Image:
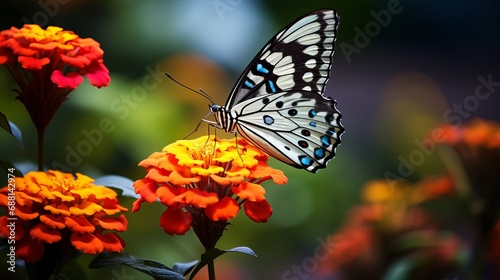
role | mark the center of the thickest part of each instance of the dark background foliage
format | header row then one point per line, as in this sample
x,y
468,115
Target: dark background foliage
x,y
400,69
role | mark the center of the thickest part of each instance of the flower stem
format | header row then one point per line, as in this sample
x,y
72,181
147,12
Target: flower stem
x,y
41,144
211,270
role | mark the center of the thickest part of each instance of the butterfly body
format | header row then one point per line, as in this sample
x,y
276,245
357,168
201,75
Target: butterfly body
x,y
278,104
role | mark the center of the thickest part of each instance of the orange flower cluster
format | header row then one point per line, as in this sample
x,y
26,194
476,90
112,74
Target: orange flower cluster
x,y
478,133
63,55
47,64
477,144
55,207
203,182
376,231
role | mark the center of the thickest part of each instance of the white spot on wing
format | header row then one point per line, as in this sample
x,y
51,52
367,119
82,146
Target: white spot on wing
x,y
311,63
328,40
304,30
285,66
265,54
296,26
274,58
285,82
254,78
308,76
309,39
311,50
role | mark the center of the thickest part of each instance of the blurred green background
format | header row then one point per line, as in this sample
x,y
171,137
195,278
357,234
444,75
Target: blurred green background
x,y
405,74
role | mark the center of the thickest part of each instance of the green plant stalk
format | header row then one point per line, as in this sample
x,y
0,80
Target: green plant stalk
x,y
211,270
41,144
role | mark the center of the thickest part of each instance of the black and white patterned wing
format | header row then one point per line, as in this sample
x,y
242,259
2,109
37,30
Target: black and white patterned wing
x,y
299,58
300,128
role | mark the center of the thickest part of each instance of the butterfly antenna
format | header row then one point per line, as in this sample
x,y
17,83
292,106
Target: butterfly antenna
x,y
201,92
207,96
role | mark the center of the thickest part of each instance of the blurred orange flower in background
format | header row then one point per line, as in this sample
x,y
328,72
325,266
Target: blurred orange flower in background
x,y
56,208
411,231
477,145
392,226
204,182
479,133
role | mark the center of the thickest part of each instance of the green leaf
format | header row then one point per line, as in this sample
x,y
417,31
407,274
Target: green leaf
x,y
11,128
404,267
243,250
4,123
410,241
73,271
123,184
184,268
153,268
400,270
9,168
211,255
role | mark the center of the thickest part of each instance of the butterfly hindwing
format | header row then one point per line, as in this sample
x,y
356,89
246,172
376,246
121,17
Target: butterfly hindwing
x,y
299,57
300,128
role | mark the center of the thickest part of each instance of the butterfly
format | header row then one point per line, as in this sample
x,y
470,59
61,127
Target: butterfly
x,y
278,105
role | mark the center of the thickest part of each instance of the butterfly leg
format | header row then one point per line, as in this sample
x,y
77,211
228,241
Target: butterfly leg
x,y
210,124
237,148
199,123
195,130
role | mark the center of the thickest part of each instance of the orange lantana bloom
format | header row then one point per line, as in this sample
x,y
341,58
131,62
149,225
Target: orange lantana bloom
x,y
55,207
48,64
203,182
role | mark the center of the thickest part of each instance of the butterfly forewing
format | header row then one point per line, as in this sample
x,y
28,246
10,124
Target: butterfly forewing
x,y
299,57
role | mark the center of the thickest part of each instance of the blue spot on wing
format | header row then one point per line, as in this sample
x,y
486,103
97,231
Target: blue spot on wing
x,y
305,161
319,153
261,69
325,140
268,120
249,84
271,85
313,124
